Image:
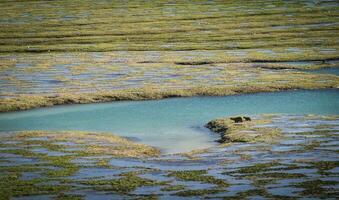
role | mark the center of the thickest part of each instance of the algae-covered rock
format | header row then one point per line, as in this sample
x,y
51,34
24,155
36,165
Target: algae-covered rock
x,y
243,129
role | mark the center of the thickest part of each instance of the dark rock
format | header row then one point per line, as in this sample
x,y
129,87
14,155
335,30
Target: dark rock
x,y
240,119
215,127
220,127
223,138
247,118
236,119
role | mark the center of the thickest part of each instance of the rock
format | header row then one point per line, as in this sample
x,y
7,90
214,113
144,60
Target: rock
x,y
216,126
240,119
247,118
237,119
243,129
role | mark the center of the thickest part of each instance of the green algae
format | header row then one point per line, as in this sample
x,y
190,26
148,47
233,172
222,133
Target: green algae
x,y
125,184
63,163
318,132
66,170
200,192
198,175
262,182
323,166
279,175
260,167
103,163
315,188
58,167
173,188
11,186
253,192
69,197
115,146
324,126
148,197
22,152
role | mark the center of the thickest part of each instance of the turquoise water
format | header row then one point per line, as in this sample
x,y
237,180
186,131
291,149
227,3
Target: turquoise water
x,y
173,125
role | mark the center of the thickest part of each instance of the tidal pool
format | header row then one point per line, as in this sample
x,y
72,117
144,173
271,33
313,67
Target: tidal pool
x,y
172,125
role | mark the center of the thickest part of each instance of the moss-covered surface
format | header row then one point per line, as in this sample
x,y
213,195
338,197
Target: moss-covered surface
x,y
79,165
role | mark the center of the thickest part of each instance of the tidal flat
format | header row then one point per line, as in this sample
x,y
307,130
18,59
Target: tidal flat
x,y
161,80
76,52
302,162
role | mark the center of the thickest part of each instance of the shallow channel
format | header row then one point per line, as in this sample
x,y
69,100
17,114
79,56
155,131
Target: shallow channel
x,y
173,125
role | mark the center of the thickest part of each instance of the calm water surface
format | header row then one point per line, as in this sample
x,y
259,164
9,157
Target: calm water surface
x,y
173,125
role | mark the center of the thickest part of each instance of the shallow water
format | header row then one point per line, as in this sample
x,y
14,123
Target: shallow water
x,y
173,125
330,70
